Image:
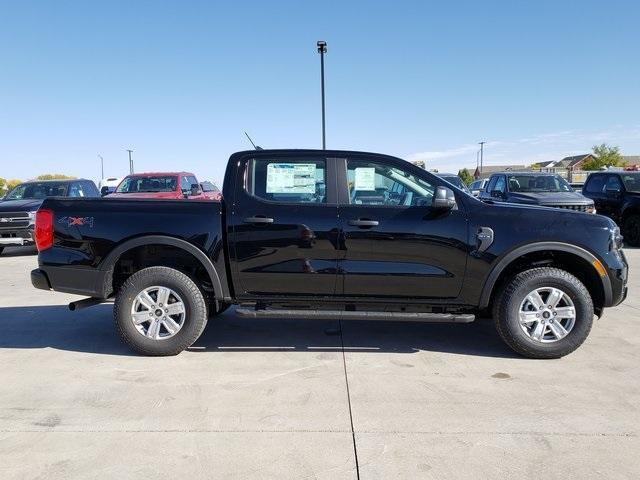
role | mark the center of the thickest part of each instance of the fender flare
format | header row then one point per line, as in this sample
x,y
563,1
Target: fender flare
x,y
536,247
108,263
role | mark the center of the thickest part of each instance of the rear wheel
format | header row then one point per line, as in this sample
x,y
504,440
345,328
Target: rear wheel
x,y
631,230
544,313
160,311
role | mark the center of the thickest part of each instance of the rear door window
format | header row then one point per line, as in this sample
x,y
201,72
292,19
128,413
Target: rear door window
x,y
288,180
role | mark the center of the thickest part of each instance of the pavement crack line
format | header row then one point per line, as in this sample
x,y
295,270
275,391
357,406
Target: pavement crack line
x,y
346,380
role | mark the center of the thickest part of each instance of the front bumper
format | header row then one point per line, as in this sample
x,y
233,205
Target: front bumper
x,y
22,236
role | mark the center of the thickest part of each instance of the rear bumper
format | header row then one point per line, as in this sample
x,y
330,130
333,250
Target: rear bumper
x,y
79,281
40,280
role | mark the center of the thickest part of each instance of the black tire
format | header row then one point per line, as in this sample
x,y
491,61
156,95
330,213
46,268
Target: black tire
x,y
195,317
631,230
506,311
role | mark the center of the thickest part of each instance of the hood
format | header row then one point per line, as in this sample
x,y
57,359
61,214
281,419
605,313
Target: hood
x,y
27,205
551,198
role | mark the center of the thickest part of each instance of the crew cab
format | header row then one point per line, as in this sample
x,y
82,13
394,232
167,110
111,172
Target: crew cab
x,y
341,235
18,207
167,185
617,195
535,188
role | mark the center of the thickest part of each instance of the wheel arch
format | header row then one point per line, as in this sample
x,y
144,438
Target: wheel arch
x,y
598,288
109,262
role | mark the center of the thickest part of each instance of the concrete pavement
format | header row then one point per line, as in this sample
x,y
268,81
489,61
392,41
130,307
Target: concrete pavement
x,y
288,399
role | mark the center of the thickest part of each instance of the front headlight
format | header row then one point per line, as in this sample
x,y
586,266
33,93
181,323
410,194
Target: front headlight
x,y
591,208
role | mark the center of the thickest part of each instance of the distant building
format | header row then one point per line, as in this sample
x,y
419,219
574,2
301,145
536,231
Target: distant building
x,y
574,163
632,162
487,170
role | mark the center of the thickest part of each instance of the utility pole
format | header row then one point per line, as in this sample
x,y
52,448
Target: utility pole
x,y
322,49
130,162
481,154
101,167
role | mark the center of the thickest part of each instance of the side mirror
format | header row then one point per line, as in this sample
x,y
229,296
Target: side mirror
x,y
195,189
104,191
444,199
497,194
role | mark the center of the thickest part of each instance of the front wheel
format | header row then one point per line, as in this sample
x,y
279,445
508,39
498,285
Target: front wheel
x,y
631,230
543,313
159,311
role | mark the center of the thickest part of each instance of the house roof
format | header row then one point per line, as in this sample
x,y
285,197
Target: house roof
x,y
572,161
546,164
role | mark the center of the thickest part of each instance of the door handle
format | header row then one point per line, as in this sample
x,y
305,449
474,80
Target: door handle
x,y
363,223
258,219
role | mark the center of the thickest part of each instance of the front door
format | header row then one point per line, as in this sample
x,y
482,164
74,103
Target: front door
x,y
283,226
395,243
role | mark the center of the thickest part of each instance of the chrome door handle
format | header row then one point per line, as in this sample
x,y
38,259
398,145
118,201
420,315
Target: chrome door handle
x,y
258,220
363,223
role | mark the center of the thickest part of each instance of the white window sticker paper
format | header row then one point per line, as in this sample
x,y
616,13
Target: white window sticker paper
x,y
365,178
291,178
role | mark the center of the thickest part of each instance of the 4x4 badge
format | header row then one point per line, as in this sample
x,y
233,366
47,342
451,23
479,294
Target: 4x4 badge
x,y
77,221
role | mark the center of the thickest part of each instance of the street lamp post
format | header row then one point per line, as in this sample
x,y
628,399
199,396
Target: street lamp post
x,y
130,162
101,167
481,154
322,49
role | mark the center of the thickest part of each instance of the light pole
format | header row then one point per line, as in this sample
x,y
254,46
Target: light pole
x,y
101,167
481,154
130,162
322,49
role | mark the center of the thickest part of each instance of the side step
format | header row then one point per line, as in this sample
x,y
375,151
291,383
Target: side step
x,y
345,315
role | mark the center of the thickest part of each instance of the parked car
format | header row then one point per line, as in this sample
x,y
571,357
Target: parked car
x,y
455,180
108,185
535,188
333,235
167,185
478,186
617,195
18,207
211,191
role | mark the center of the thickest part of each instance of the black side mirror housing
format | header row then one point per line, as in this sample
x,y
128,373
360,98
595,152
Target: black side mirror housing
x,y
444,199
104,191
497,194
195,189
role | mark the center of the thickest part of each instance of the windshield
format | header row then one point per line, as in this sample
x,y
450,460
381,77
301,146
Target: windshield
x,y
538,183
631,182
457,181
160,183
37,191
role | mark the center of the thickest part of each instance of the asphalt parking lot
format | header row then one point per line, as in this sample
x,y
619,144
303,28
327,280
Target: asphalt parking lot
x,y
287,399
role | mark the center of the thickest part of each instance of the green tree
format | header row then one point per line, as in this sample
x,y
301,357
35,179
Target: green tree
x,y
535,167
466,177
13,183
604,156
3,184
54,176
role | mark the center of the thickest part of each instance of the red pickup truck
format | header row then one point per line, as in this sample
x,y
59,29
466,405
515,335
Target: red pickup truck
x,y
170,185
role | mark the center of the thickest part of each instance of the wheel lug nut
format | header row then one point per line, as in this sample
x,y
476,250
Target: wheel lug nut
x,y
537,315
166,310
151,314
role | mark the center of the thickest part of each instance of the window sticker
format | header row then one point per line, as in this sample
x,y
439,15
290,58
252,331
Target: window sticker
x,y
365,178
291,178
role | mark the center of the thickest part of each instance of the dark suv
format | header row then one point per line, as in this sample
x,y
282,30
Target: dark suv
x,y
535,188
617,195
18,207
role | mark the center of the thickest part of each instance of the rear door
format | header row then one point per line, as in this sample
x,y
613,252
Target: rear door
x,y
283,226
395,244
594,189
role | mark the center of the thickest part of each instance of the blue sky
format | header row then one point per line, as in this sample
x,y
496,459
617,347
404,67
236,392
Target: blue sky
x,y
179,82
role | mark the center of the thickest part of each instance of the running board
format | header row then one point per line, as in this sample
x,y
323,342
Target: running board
x,y
349,315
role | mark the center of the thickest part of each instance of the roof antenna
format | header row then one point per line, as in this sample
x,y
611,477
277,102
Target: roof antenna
x,y
255,147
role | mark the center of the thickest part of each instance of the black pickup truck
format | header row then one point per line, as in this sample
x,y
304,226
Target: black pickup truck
x,y
333,235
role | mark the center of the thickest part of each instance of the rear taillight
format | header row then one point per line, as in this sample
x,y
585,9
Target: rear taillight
x,y
44,229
